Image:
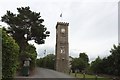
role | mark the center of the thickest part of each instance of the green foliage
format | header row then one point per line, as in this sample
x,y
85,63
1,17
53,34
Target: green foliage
x,y
47,62
40,62
75,63
32,54
24,26
109,65
84,57
80,63
96,65
115,59
10,51
87,76
29,52
28,23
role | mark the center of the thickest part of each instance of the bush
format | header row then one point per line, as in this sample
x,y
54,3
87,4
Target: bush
x,y
10,51
29,52
47,61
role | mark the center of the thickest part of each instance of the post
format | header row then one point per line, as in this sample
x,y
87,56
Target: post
x,y
75,73
96,77
44,59
84,76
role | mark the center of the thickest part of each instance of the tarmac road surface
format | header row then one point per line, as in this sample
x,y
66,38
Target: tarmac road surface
x,y
46,73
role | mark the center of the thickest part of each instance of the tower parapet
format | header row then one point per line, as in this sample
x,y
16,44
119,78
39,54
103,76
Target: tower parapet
x,y
62,24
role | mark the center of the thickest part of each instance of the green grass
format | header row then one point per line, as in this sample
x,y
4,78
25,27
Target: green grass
x,y
89,77
79,75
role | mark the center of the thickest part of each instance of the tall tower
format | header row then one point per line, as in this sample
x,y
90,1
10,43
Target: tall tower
x,y
62,47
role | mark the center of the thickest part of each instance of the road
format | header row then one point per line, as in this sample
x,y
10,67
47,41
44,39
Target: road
x,y
46,73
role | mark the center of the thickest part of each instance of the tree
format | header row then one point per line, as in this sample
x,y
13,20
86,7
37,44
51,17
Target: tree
x,y
108,65
50,61
40,62
47,61
29,52
10,51
26,25
75,63
84,56
78,64
115,59
96,65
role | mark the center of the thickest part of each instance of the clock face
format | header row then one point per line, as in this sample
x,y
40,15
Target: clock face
x,y
63,30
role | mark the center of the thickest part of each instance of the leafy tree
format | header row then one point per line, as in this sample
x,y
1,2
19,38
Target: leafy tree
x,y
29,52
26,25
47,61
109,65
84,56
10,51
96,65
75,63
79,64
50,61
40,62
104,65
115,59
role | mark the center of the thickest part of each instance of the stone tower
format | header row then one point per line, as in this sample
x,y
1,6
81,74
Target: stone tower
x,y
62,47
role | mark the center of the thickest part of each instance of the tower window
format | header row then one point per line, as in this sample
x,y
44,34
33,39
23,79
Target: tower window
x,y
62,50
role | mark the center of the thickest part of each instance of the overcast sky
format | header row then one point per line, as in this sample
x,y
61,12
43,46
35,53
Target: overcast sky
x,y
93,24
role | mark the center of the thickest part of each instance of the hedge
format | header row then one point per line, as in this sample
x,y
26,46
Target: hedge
x,y
10,51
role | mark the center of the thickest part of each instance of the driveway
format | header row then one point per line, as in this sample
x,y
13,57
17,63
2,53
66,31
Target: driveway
x,y
46,73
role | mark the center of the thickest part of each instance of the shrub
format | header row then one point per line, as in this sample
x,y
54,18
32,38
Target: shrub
x,y
10,51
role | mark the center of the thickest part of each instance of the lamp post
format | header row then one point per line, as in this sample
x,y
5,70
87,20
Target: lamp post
x,y
44,52
44,57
